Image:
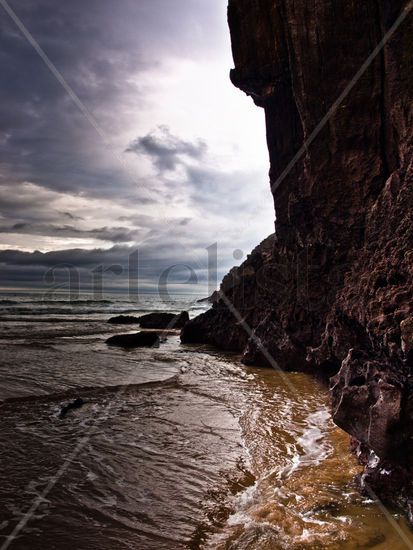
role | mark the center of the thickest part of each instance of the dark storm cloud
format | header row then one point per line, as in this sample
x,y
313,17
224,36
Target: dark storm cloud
x,y
96,45
71,216
113,234
34,211
77,257
166,150
43,133
113,55
120,266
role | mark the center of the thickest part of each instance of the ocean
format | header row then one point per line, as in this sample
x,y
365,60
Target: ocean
x,y
178,446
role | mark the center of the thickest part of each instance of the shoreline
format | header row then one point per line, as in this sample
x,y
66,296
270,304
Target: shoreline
x,y
277,465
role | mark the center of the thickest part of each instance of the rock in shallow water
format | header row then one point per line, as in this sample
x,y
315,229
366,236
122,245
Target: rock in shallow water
x,y
123,320
163,320
76,404
138,340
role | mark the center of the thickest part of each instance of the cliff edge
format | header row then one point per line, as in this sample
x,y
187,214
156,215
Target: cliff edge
x,y
331,290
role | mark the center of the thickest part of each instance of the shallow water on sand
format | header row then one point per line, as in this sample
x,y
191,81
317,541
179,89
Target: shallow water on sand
x,y
176,447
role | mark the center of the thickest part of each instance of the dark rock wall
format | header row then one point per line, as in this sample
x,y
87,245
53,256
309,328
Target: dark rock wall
x,y
332,289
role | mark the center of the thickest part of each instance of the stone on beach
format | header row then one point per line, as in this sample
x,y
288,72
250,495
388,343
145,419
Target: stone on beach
x,y
123,320
162,320
137,340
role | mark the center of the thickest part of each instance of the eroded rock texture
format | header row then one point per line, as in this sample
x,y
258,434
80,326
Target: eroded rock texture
x,y
332,290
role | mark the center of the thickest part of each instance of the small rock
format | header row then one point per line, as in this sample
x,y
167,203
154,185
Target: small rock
x,y
161,320
124,320
76,404
137,340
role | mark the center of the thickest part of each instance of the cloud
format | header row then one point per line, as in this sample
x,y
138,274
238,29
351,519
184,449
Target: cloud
x,y
29,209
174,170
71,216
123,268
111,234
104,51
206,185
167,151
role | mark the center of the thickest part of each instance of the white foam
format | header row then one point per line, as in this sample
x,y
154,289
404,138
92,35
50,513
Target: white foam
x,y
312,446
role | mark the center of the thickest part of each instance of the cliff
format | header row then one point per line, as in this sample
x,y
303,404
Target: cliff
x,y
331,290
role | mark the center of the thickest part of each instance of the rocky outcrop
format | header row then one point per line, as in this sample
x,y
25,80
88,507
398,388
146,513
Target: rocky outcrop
x,y
332,290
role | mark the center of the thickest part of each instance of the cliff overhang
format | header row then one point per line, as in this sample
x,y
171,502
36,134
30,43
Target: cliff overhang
x,y
331,290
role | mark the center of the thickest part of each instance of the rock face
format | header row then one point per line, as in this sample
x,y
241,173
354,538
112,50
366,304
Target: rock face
x,y
332,290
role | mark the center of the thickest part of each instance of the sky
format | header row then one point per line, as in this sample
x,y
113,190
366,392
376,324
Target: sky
x,y
129,142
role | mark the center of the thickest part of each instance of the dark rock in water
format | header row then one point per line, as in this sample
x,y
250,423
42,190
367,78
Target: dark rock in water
x,y
76,404
332,290
124,320
137,340
163,320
